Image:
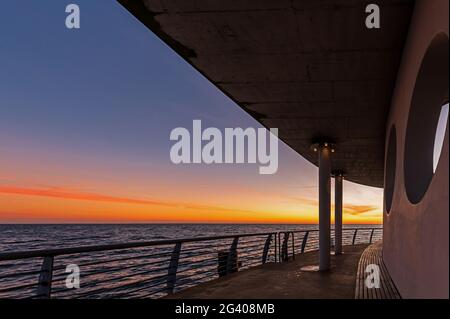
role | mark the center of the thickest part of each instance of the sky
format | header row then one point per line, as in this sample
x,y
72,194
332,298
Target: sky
x,y
85,119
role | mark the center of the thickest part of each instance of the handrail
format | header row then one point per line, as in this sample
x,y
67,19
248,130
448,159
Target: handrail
x,y
162,265
300,239
94,248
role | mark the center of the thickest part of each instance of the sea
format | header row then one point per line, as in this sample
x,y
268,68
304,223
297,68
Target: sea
x,y
24,237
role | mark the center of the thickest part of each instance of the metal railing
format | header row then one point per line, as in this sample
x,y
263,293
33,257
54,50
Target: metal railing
x,y
155,268
300,241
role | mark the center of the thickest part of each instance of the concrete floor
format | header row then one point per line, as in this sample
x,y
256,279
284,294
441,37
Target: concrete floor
x,y
286,280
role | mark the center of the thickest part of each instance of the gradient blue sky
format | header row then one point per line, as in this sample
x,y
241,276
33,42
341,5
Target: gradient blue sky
x,y
90,111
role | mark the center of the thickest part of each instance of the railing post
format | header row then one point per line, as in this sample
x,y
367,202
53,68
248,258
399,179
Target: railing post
x,y
284,248
280,259
266,248
338,183
371,235
45,278
304,241
354,236
232,257
173,268
276,247
293,245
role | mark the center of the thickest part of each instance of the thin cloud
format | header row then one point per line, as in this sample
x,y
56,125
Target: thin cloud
x,y
304,200
66,194
61,193
349,208
359,209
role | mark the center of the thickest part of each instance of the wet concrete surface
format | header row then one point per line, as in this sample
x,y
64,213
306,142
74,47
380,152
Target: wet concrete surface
x,y
297,279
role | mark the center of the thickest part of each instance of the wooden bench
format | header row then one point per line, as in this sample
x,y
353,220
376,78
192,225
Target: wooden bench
x,y
387,289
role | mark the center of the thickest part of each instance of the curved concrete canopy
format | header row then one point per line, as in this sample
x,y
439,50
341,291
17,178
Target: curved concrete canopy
x,y
309,67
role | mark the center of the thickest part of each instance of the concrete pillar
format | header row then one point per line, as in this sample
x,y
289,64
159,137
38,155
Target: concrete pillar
x,y
324,206
338,179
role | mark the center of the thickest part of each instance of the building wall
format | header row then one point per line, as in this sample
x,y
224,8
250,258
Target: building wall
x,y
416,237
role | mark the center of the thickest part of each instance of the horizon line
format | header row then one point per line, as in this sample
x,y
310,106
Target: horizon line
x,y
174,223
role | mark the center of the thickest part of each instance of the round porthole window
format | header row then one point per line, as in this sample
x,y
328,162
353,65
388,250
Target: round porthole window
x,y
391,162
430,94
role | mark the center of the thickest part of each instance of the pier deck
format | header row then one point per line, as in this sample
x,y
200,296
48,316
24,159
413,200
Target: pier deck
x,y
286,280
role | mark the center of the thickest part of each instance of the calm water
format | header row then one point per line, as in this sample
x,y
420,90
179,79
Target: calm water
x,y
30,237
132,273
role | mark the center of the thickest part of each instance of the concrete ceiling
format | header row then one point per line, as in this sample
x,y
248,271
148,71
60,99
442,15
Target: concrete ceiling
x,y
308,67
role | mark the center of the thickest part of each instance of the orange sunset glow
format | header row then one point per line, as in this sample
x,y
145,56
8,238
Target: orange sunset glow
x,y
66,206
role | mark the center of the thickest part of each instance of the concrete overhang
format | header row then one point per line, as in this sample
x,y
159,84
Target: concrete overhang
x,y
311,68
